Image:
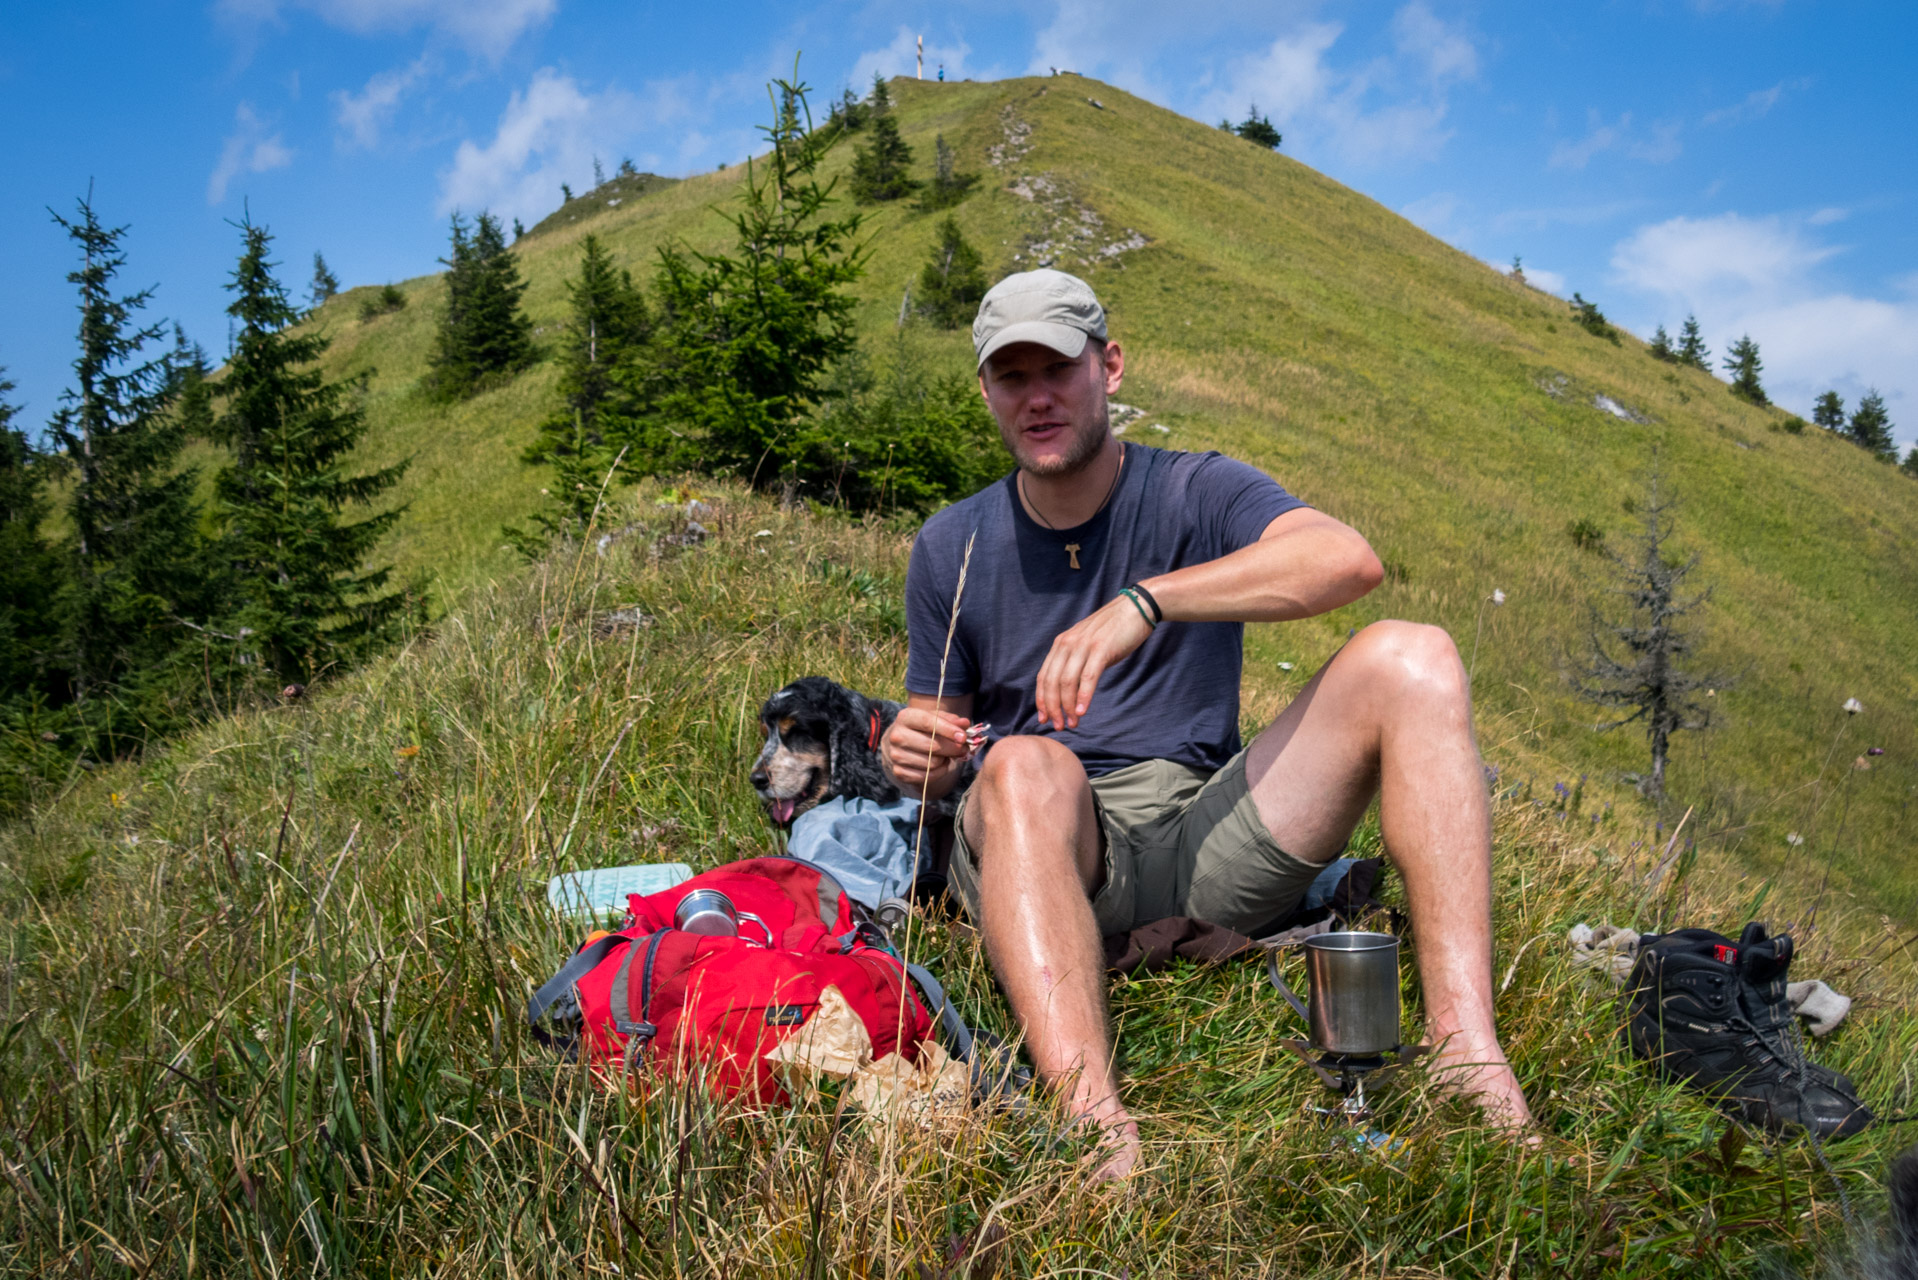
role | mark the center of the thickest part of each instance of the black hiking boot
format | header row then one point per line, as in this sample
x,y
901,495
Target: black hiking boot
x,y
1712,1013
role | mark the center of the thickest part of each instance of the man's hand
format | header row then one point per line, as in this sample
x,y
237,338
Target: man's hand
x,y
915,732
1080,656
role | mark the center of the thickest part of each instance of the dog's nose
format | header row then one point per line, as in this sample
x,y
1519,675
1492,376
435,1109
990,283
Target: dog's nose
x,y
759,779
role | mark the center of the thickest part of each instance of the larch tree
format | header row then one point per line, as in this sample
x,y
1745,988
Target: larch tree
x,y
304,600
1638,663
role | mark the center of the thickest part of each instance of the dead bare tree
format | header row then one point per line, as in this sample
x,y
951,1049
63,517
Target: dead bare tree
x,y
1638,662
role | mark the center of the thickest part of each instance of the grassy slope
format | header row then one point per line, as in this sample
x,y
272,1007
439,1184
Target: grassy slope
x,y
1391,380
262,1006
261,1001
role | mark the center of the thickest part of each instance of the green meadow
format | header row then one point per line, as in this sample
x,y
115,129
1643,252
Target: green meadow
x,y
263,989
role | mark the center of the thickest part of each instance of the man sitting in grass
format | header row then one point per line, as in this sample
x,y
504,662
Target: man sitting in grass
x,y
1101,637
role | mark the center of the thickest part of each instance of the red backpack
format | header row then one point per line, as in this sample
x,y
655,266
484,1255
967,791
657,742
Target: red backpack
x,y
651,995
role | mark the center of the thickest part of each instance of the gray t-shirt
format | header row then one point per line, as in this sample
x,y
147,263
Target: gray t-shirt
x,y
1174,698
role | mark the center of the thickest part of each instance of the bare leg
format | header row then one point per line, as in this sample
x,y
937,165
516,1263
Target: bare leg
x,y
1392,713
1035,835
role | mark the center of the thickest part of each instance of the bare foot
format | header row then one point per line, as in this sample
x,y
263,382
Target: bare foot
x,y
1478,1070
1118,1151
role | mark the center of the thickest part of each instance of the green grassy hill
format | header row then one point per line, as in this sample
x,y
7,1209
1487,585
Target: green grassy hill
x,y
1442,408
261,1007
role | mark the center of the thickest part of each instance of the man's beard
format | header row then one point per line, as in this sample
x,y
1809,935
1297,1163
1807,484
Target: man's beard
x,y
1083,447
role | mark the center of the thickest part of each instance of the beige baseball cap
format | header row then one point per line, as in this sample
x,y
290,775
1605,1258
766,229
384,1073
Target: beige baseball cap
x,y
1045,306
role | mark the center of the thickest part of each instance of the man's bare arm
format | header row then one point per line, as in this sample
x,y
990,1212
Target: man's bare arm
x,y
927,725
1305,563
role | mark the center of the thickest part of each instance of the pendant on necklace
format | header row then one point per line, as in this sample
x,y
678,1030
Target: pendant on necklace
x,y
1072,549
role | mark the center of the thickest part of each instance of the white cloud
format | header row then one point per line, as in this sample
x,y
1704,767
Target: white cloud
x,y
1550,281
1825,217
1436,213
1763,276
900,57
249,149
1390,108
363,115
1756,105
1660,147
551,131
487,27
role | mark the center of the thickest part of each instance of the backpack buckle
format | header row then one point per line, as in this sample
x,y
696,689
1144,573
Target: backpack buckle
x,y
643,1030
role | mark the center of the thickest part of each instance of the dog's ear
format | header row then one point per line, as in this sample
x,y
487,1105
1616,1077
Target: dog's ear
x,y
856,770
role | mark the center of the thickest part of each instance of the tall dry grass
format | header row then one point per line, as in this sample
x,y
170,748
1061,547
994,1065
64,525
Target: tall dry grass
x,y
262,1001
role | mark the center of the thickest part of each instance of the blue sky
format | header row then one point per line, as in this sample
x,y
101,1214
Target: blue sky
x,y
1749,161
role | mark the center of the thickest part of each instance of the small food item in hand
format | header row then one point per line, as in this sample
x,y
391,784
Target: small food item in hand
x,y
976,738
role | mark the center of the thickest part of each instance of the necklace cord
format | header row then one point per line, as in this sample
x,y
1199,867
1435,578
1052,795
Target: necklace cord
x,y
1110,490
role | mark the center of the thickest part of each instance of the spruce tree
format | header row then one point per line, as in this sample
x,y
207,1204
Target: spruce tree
x,y
880,98
325,283
1910,465
1744,366
303,599
953,280
1661,346
608,327
948,186
1591,319
1828,411
746,337
880,167
134,573
1691,346
483,332
29,570
1870,427
1258,128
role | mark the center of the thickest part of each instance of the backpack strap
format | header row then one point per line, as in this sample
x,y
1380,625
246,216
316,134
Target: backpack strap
x,y
621,999
958,1034
584,961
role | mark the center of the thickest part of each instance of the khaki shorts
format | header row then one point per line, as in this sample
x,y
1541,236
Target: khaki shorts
x,y
1177,843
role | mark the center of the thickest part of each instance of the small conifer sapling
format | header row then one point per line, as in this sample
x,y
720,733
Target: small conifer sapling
x,y
953,280
1661,346
1637,662
1744,366
1691,346
1870,427
325,283
1828,411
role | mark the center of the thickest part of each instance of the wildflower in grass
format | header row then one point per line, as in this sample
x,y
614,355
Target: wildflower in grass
x,y
1876,751
1861,764
1853,706
1498,596
1285,666
1793,839
406,753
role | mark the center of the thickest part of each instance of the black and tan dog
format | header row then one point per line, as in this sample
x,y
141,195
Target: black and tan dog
x,y
822,741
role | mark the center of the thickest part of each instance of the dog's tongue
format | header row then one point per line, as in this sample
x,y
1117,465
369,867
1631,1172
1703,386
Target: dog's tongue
x,y
783,811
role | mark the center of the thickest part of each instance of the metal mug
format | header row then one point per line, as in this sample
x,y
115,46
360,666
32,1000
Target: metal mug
x,y
710,913
1352,992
